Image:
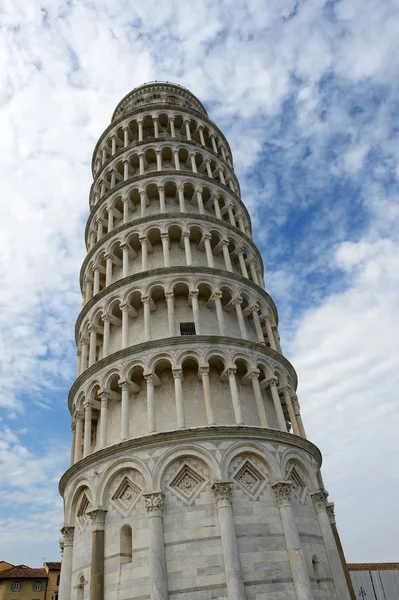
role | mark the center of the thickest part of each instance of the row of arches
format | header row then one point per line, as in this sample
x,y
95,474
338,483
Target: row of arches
x,y
179,307
165,197
155,159
192,390
159,125
169,245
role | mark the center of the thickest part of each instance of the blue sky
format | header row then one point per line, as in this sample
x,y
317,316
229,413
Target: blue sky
x,y
307,94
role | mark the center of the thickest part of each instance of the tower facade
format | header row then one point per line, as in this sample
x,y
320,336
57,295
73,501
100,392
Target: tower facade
x,y
191,475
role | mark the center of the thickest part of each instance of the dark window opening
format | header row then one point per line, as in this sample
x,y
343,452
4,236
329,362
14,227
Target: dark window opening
x,y
187,329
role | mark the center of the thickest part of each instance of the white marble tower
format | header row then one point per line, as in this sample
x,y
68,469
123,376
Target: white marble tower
x,y
191,476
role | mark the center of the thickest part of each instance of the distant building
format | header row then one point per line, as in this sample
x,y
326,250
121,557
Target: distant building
x,y
375,581
25,583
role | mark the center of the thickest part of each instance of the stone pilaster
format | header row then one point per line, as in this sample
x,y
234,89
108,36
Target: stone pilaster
x,y
153,502
97,516
66,566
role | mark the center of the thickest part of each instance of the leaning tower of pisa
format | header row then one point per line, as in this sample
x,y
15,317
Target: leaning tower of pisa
x,y
191,476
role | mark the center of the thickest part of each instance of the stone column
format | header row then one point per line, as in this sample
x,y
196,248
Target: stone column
x,y
217,208
79,361
234,580
295,405
126,166
150,402
125,260
240,317
104,396
125,136
78,435
241,223
143,205
88,406
253,272
212,136
107,327
85,351
187,248
147,327
73,445
208,169
235,397
178,375
171,313
176,158
182,203
258,327
221,177
125,209
162,205
156,128
201,134
269,332
287,397
159,160
141,164
172,126
254,377
193,163
108,269
125,387
165,249
96,280
125,324
319,501
226,255
208,250
243,266
217,298
66,565
144,254
188,132
93,344
154,504
200,201
196,311
204,373
331,516
97,517
300,576
277,403
88,289
140,128
110,212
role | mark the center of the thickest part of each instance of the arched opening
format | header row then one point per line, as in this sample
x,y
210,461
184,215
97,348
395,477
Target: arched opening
x,y
316,571
126,545
81,588
193,393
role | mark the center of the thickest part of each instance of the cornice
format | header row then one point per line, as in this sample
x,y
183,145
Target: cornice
x,y
165,108
167,217
226,275
167,173
195,434
178,342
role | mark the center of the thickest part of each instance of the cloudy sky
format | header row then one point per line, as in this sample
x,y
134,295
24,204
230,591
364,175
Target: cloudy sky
x,y
307,94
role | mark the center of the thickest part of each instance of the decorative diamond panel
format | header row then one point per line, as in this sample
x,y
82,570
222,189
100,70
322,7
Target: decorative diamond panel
x,y
250,479
126,495
188,483
299,485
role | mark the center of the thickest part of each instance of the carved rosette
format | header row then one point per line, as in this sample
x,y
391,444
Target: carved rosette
x,y
222,491
153,503
319,500
67,533
282,490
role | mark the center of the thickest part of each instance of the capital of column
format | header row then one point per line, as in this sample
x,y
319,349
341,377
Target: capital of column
x,y
203,370
177,373
254,308
207,236
319,499
254,374
194,294
295,404
142,240
225,242
95,268
84,341
222,491
186,234
97,517
104,395
169,295
331,512
237,300
282,490
92,327
231,371
88,403
125,307
153,502
149,377
61,544
216,296
78,416
285,390
145,299
106,317
161,188
67,532
273,381
125,384
165,236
